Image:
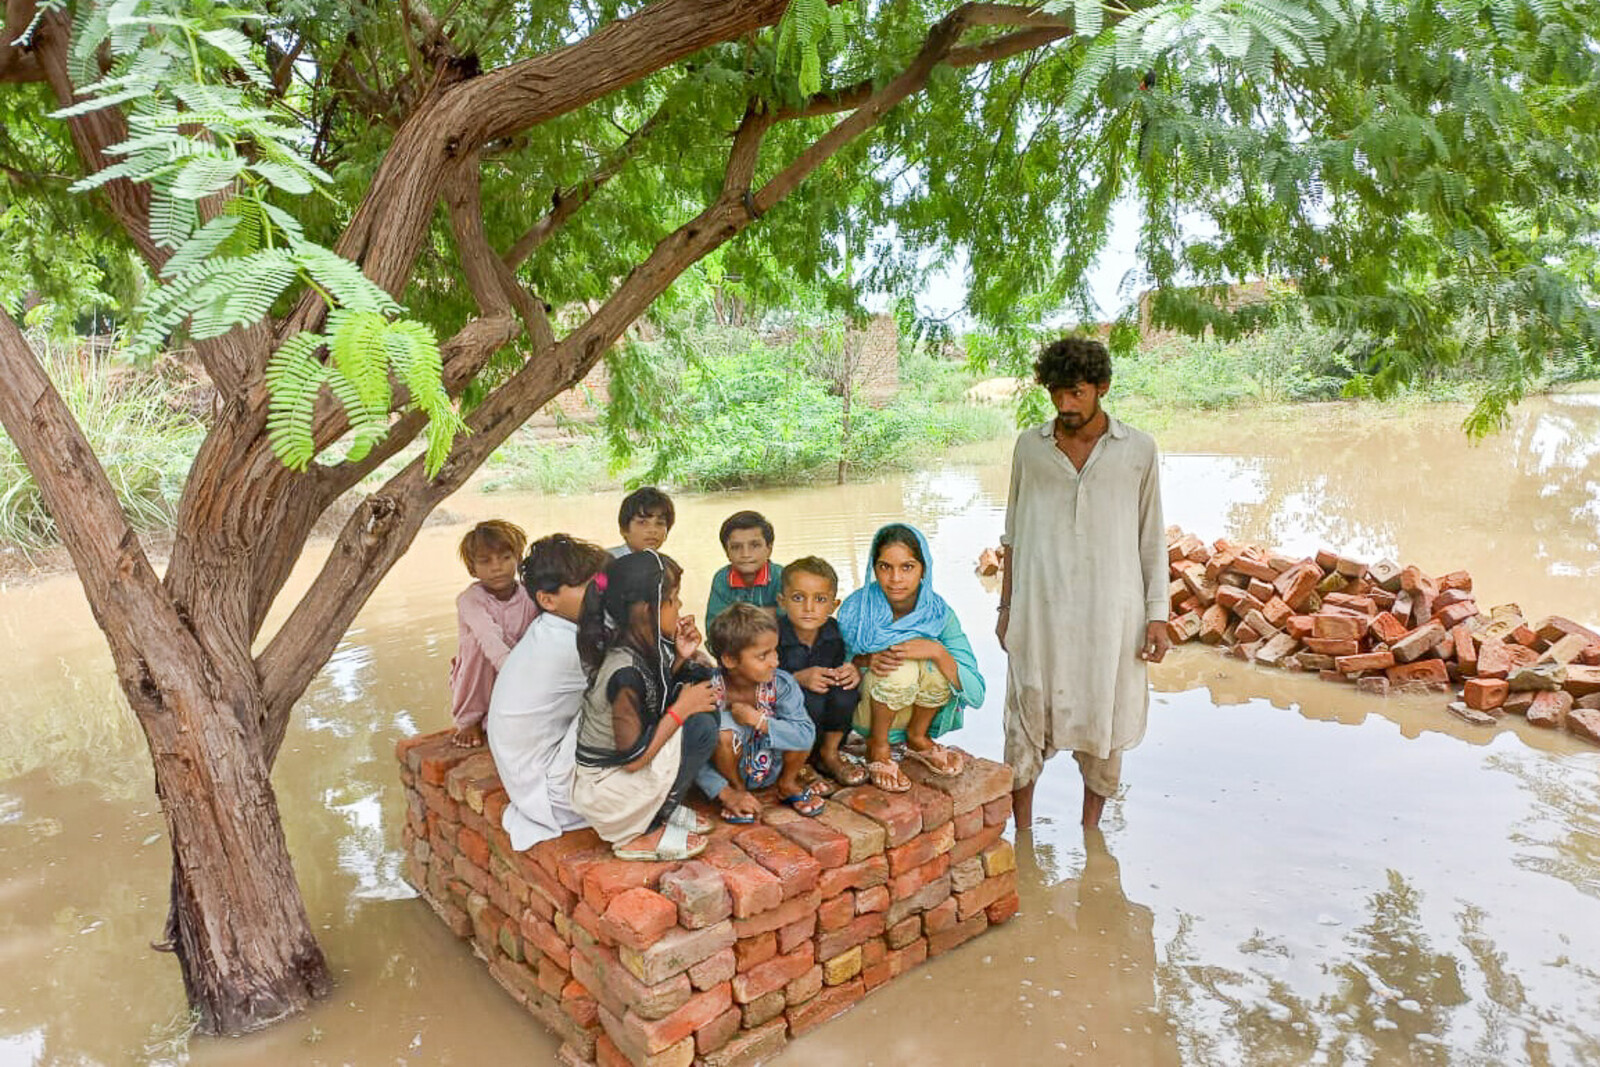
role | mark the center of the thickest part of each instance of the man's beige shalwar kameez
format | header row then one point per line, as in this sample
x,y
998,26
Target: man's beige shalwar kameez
x,y
1088,560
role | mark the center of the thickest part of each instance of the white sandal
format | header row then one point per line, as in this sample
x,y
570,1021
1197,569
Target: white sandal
x,y
690,820
673,846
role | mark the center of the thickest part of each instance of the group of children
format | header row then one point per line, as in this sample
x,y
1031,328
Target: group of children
x,y
602,707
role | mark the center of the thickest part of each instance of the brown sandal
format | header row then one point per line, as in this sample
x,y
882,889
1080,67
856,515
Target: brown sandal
x,y
945,762
887,776
846,772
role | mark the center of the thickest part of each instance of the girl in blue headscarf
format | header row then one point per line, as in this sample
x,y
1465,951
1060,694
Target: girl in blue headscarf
x,y
918,670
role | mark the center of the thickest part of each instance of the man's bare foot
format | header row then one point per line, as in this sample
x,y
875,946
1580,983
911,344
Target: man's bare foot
x,y
469,736
1022,806
1094,805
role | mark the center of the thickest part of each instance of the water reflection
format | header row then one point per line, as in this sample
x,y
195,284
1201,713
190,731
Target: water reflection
x,y
1295,874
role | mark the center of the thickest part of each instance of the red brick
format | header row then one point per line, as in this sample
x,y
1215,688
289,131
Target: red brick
x,y
638,917
824,1006
826,845
1276,612
1003,909
873,951
1494,660
1330,647
604,881
866,837
1485,694
473,848
717,1033
698,891
1524,636
599,971
1582,680
1364,661
874,899
860,929
554,854
1298,584
965,850
874,870
791,910
751,1047
979,782
1585,723
751,951
752,888
1213,623
1453,615
1338,627
960,933
508,938
654,1036
996,812
763,1008
941,918
904,932
793,865
1550,709
718,967
837,911
553,977
579,1005
906,885
1466,649
971,821
1418,642
608,1055
802,929
1184,626
803,988
937,807
433,759
897,813
584,918
921,849
773,974
676,951
1431,673
977,900
1385,628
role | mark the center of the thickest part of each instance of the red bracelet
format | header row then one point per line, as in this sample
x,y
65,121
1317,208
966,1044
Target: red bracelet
x,y
674,715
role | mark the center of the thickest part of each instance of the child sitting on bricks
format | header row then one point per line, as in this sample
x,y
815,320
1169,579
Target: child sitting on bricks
x,y
750,576
766,735
644,520
811,648
491,616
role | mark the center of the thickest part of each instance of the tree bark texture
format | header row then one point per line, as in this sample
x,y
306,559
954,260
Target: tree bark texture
x,y
215,713
240,930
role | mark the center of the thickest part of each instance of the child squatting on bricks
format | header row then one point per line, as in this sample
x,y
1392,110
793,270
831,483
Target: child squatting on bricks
x,y
765,733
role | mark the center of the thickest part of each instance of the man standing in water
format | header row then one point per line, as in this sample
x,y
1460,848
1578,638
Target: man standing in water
x,y
1083,605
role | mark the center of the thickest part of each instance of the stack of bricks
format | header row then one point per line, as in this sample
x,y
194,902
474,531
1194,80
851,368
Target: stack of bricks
x,y
720,960
1384,627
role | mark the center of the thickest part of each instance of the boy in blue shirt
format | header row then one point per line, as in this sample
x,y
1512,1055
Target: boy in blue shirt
x,y
750,576
811,648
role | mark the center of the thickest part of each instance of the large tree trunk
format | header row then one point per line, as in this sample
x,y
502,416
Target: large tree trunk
x,y
239,926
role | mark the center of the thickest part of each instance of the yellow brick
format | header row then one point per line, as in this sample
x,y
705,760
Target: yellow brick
x,y
999,859
842,968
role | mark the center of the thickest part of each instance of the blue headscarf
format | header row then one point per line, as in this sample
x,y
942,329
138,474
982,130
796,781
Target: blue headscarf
x,y
867,621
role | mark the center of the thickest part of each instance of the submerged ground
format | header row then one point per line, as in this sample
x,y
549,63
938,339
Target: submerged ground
x,y
1295,874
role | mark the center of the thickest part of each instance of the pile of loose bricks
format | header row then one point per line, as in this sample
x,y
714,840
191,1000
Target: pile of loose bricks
x,y
1384,628
720,960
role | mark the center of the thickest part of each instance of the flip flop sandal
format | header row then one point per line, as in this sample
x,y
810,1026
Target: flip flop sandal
x,y
850,772
690,820
945,757
805,802
673,845
736,818
887,776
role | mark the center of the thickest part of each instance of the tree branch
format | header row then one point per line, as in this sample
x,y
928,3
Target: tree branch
x,y
380,530
493,283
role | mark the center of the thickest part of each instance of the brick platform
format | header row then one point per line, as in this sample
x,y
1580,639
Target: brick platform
x,y
776,928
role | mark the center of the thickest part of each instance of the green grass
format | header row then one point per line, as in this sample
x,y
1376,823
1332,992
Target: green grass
x,y
145,444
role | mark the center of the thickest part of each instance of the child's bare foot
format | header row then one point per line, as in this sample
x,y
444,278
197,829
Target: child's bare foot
x,y
655,846
469,736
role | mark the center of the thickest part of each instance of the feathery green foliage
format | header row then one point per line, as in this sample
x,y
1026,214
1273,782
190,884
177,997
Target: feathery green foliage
x,y
248,255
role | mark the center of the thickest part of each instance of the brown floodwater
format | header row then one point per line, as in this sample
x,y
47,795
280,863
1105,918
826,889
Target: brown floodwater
x,y
1294,873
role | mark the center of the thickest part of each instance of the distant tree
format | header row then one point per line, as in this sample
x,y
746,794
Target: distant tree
x,y
1403,162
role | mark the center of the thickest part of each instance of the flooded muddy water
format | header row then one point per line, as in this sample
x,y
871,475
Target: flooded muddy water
x,y
1294,873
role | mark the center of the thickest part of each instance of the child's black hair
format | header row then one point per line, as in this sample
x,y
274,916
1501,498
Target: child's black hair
x,y
745,520
815,566
561,559
646,500
737,628
607,617
897,533
1068,361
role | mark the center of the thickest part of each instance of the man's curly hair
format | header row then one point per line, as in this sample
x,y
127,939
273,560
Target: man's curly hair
x,y
1066,362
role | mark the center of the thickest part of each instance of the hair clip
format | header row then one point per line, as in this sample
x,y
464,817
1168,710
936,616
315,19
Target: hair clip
x,y
600,581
